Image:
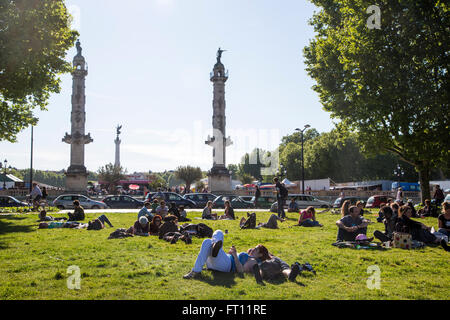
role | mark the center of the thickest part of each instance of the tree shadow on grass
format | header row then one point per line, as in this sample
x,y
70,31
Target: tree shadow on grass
x,y
217,278
7,227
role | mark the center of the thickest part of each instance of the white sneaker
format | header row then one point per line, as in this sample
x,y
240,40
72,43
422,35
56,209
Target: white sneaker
x,y
190,275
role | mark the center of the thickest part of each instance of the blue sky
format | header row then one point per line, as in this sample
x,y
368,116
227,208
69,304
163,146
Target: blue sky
x,y
149,64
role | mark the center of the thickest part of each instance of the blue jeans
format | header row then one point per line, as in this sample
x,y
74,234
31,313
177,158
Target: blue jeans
x,y
310,223
104,219
444,231
220,263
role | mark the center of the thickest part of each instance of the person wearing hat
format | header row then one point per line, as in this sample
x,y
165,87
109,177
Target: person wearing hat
x,y
351,225
140,227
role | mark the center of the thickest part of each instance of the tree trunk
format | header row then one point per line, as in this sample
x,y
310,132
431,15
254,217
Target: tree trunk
x,y
424,178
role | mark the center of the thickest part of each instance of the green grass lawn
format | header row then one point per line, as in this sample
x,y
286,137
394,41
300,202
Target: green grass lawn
x,y
33,264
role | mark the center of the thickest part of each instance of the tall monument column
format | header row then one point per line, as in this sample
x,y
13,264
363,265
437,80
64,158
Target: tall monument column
x,y
76,175
117,142
219,178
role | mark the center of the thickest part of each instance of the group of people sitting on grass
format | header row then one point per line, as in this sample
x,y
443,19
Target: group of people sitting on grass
x,y
396,218
208,214
158,207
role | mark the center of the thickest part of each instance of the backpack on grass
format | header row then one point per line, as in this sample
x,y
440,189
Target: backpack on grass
x,y
283,192
167,227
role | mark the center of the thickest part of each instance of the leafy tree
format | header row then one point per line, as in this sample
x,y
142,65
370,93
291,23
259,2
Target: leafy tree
x,y
340,158
233,168
34,38
388,85
296,138
245,178
252,164
156,181
92,176
199,186
52,178
111,175
290,159
188,174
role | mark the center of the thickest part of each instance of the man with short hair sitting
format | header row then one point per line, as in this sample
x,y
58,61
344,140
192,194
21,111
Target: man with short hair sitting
x,y
293,206
144,212
351,225
78,212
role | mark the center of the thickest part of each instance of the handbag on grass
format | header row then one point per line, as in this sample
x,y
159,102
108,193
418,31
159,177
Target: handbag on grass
x,y
402,240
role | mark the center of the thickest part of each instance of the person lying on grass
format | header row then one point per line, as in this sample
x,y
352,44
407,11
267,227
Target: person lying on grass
x,y
212,254
351,225
78,212
207,212
96,224
270,224
229,212
308,218
44,217
140,227
155,225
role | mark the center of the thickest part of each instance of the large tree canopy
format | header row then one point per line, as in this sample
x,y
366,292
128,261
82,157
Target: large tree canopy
x,y
390,85
111,175
34,38
189,175
339,157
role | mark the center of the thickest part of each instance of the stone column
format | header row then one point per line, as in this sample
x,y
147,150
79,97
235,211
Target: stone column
x,y
76,175
219,177
117,161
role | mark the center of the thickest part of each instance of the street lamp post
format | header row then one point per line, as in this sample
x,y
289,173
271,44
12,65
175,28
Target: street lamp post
x,y
31,160
4,173
303,160
398,172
